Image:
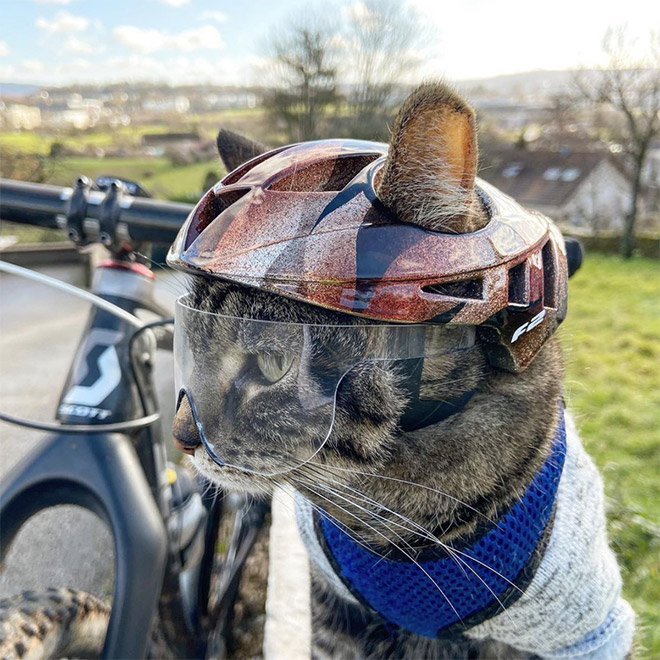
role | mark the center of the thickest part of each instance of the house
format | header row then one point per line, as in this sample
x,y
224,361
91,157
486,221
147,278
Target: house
x,y
23,117
181,148
157,144
584,191
651,186
73,110
177,104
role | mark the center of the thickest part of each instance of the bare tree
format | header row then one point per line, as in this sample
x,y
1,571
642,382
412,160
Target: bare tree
x,y
630,84
381,39
303,77
375,50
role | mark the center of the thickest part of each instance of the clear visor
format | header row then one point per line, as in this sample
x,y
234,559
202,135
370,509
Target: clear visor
x,y
264,393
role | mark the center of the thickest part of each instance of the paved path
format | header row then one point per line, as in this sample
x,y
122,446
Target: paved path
x,y
39,330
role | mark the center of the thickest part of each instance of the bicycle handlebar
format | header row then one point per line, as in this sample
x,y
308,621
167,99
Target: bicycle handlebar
x,y
149,220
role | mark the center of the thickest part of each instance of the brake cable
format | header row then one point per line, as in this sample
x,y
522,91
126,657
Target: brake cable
x,y
130,425
74,290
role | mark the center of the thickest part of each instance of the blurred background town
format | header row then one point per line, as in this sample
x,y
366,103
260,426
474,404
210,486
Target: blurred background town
x,y
568,103
581,145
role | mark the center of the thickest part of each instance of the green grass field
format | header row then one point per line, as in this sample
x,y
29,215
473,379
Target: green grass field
x,y
612,350
34,142
157,175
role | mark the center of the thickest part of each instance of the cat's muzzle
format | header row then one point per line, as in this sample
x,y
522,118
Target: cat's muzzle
x,y
184,428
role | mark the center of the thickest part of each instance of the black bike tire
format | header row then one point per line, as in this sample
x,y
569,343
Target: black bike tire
x,y
60,623
52,624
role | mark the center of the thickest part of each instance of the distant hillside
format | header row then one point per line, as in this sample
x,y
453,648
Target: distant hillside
x,y
16,89
517,84
511,86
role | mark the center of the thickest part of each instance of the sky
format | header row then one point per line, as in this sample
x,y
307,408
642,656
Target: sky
x,y
224,42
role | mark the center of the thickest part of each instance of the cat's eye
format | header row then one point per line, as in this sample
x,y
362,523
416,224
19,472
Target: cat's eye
x,y
274,366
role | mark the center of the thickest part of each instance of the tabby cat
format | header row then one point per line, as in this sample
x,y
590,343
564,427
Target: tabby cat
x,y
401,493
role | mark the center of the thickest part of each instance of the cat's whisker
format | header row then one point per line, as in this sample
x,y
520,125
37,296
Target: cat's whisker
x,y
177,275
409,483
418,530
360,540
423,532
429,535
461,563
216,491
211,486
406,554
377,518
313,485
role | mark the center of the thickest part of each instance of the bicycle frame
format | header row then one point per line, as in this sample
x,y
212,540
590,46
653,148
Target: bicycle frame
x,y
120,477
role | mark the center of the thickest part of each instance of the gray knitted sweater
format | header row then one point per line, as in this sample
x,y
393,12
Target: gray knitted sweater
x,y
573,606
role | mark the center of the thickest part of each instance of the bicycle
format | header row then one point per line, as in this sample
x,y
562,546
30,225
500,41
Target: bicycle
x,y
172,595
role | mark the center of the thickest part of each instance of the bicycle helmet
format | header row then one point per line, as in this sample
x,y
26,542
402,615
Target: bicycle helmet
x,y
304,221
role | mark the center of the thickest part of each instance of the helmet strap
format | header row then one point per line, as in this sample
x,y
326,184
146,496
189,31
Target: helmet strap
x,y
426,412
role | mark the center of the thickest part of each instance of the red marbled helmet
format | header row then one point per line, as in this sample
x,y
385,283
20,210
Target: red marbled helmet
x,y
304,221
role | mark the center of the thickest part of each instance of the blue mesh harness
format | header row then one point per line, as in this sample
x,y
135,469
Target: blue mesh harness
x,y
446,594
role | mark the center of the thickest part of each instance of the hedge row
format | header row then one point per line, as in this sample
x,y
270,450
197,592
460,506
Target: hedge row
x,y
645,246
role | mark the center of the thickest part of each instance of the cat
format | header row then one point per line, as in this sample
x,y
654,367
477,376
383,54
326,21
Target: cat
x,y
400,492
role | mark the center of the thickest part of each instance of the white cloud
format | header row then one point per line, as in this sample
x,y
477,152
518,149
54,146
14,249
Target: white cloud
x,y
76,45
140,39
53,2
150,40
178,70
358,12
63,22
33,66
4,48
7,71
204,37
78,64
174,3
479,39
213,15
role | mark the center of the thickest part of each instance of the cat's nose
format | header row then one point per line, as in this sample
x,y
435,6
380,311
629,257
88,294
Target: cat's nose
x,y
184,429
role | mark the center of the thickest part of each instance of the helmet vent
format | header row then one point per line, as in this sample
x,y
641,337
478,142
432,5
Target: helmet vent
x,y
518,287
324,176
236,175
211,206
549,272
225,198
472,289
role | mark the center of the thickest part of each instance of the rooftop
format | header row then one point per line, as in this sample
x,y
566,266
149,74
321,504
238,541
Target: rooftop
x,y
540,178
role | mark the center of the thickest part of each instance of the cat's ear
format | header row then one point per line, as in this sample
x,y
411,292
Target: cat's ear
x,y
234,149
429,175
